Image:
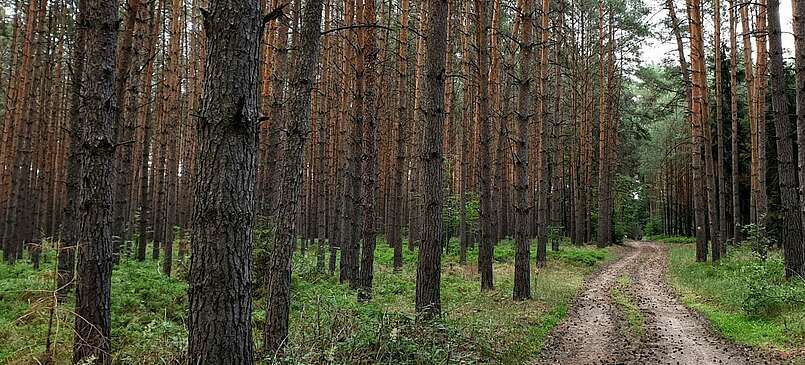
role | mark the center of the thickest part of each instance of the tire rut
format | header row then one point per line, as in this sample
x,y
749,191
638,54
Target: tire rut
x,y
588,335
593,332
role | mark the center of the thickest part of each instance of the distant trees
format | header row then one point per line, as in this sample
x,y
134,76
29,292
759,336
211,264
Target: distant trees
x,y
720,187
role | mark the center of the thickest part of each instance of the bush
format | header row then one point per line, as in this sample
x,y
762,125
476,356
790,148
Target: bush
x,y
759,240
671,239
579,256
765,297
654,227
451,213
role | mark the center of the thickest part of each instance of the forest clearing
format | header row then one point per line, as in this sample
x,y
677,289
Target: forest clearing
x,y
402,182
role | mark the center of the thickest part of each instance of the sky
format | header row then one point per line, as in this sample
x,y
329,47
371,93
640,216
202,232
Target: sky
x,y
656,49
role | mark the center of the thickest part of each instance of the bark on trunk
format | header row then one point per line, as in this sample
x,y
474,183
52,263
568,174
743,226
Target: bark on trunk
x,y
697,96
486,245
93,289
219,327
791,234
428,277
522,267
734,161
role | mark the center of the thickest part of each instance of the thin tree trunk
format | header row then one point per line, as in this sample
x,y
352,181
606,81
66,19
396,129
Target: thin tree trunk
x,y
750,91
486,246
760,111
522,267
604,130
301,82
395,236
799,52
428,277
719,164
70,218
736,191
697,120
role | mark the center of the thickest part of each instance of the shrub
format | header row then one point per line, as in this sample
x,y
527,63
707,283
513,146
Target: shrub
x,y
654,227
759,239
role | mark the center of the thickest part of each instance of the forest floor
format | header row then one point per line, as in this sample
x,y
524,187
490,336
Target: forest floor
x,y
640,303
629,314
328,324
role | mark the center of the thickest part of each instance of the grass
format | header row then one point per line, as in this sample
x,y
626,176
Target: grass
x,y
671,239
148,312
328,324
747,300
635,319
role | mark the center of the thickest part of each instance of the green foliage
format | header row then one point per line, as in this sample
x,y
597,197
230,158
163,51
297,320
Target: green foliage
x,y
670,239
654,227
631,207
580,256
328,323
452,212
759,240
747,299
148,314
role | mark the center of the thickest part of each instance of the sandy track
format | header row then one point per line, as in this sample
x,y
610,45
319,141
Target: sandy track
x,y
592,333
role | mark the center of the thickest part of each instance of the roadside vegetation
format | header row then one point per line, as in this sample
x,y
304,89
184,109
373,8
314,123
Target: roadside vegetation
x,y
745,297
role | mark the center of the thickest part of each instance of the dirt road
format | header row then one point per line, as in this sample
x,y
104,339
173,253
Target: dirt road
x,y
595,331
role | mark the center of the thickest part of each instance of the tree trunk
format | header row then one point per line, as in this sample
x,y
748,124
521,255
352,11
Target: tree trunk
x,y
350,247
791,233
301,82
465,131
173,115
799,53
93,289
736,196
604,130
486,244
70,218
428,276
124,125
721,185
697,96
760,112
145,118
274,148
522,267
219,327
370,111
395,236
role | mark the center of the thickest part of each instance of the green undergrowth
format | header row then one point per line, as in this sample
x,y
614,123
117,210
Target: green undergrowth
x,y
635,320
328,324
748,300
148,313
671,239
